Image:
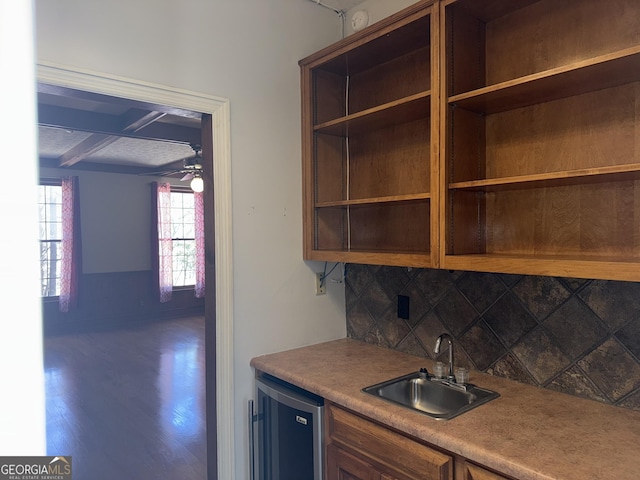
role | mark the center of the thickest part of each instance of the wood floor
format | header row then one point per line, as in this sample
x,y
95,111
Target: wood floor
x,y
129,404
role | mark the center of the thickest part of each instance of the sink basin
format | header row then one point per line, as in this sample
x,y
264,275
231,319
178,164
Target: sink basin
x,y
438,399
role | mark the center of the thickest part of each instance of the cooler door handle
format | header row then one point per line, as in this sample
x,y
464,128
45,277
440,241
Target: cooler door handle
x,y
252,419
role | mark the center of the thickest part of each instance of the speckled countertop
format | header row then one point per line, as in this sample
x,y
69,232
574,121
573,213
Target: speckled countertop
x,y
529,433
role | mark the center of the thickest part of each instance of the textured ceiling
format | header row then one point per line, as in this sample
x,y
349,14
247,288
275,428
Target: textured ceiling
x,y
83,129
63,132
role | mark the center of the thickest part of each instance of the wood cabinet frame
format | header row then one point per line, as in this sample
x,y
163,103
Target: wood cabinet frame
x,y
539,164
374,211
533,148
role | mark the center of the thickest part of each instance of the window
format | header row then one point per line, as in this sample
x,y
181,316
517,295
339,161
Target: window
x,y
50,232
183,241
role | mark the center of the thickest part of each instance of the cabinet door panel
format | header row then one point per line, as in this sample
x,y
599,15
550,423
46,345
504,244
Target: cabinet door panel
x,y
343,466
473,472
388,451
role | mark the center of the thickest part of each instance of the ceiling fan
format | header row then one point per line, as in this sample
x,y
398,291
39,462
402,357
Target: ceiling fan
x,y
191,170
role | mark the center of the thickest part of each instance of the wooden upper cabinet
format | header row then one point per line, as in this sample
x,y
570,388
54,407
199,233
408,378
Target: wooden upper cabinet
x,y
540,158
370,144
488,135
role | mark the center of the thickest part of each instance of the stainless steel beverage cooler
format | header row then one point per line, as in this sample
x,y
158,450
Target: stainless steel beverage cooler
x,y
286,432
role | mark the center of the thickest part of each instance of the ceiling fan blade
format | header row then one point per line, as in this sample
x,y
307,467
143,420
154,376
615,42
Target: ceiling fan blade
x,y
188,176
161,173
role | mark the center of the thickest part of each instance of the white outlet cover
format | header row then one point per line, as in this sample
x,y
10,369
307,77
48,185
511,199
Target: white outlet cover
x,y
359,20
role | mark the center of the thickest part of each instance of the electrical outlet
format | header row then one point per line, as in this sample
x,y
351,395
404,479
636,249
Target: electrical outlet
x,y
321,284
403,307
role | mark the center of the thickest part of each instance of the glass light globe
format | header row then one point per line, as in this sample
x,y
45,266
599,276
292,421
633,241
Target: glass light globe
x,y
197,184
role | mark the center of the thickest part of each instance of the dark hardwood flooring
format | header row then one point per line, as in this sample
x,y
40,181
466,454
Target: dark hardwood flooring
x,y
129,404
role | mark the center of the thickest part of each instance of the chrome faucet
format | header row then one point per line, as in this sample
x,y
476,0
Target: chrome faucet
x,y
436,350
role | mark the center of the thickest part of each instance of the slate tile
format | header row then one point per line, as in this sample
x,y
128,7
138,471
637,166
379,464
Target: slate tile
x,y
376,300
392,279
509,367
540,295
573,284
632,401
509,319
575,327
411,345
481,289
350,298
456,312
482,345
418,304
393,328
629,336
509,279
358,277
434,283
612,369
375,337
616,303
427,332
573,381
359,321
540,356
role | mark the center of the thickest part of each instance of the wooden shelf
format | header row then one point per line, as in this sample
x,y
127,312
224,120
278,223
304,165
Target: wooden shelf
x,y
398,35
374,201
592,267
598,73
400,111
554,179
398,259
369,141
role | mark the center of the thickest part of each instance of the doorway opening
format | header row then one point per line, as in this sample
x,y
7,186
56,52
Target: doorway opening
x,y
156,106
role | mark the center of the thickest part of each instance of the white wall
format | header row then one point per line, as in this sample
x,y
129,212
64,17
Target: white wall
x,y
377,10
255,46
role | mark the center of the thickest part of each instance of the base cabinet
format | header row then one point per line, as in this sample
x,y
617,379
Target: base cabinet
x,y
360,449
466,470
344,466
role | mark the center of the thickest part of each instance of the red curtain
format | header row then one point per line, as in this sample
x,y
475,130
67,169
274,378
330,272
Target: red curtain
x,y
199,237
71,244
161,244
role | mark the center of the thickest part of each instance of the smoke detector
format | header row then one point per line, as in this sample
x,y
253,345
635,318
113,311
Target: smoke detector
x,y
359,20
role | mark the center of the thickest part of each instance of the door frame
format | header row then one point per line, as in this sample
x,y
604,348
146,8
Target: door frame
x,y
219,347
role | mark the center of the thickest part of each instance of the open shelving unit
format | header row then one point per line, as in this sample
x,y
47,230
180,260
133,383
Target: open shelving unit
x,y
540,157
487,135
369,137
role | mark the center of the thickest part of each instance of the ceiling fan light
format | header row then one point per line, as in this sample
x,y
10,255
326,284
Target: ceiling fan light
x,y
197,184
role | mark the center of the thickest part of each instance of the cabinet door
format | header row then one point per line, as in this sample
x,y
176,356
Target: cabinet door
x,y
390,453
344,466
469,471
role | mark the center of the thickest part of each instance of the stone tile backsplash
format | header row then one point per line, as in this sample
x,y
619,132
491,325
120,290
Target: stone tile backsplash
x,y
580,337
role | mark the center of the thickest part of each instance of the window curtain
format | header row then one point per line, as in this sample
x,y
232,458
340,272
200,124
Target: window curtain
x,y
162,260
198,198
71,244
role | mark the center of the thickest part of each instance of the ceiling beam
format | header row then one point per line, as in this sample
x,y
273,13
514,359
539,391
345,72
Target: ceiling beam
x,y
132,121
86,121
107,99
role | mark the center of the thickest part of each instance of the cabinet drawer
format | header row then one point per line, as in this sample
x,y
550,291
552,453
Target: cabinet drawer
x,y
385,448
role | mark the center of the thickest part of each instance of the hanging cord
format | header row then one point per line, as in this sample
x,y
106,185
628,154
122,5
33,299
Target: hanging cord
x,y
341,13
325,274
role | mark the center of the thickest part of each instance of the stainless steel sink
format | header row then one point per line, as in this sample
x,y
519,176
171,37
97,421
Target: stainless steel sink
x,y
439,399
